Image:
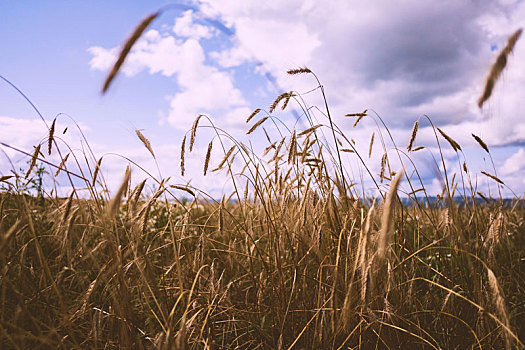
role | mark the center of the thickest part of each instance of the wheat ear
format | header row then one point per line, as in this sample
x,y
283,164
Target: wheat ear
x,y
127,48
497,67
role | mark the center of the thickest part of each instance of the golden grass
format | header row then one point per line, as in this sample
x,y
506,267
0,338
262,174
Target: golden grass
x,y
450,140
254,113
303,70
493,177
95,172
182,154
145,141
36,152
498,67
51,136
481,143
413,136
256,125
194,131
298,255
385,234
207,159
500,305
114,205
284,96
126,48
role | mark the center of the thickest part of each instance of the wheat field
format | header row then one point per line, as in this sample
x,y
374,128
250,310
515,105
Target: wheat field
x,y
295,257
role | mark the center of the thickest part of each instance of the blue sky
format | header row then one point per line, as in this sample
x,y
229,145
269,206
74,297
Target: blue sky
x,y
402,61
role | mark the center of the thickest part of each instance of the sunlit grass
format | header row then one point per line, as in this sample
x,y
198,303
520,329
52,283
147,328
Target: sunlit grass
x,y
296,256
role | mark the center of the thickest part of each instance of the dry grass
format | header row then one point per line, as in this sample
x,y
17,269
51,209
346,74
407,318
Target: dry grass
x,y
450,140
413,136
145,142
297,256
126,48
51,136
498,67
298,261
481,143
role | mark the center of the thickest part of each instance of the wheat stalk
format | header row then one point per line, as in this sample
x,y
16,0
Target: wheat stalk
x,y
145,217
497,67
269,148
452,143
292,147
61,164
362,114
256,125
383,166
138,190
5,178
287,100
127,48
495,230
387,219
114,205
145,141
278,149
67,206
483,197
226,156
95,173
309,130
492,177
182,152
51,135
302,70
500,305
284,95
254,113
371,145
184,188
221,215
481,143
208,156
194,131
33,160
413,136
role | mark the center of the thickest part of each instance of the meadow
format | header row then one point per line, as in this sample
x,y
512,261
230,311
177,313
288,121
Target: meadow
x,y
295,257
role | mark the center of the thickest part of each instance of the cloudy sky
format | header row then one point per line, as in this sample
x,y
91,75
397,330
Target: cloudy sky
x,y
222,58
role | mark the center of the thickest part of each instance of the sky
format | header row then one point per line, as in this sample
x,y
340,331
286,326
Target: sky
x,y
401,61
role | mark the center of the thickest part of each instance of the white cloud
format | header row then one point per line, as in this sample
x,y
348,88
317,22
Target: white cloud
x,y
102,58
34,130
204,89
514,163
185,26
401,59
233,57
25,134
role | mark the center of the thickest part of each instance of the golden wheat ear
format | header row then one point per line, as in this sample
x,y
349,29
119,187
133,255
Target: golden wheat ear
x,y
498,66
387,220
139,30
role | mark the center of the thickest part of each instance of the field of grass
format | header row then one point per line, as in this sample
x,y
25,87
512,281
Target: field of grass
x,y
295,257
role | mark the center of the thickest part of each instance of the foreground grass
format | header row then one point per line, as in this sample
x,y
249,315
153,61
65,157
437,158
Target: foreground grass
x,y
294,257
251,275
292,267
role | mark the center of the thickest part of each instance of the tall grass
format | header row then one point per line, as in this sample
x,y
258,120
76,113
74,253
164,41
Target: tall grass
x,y
295,257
